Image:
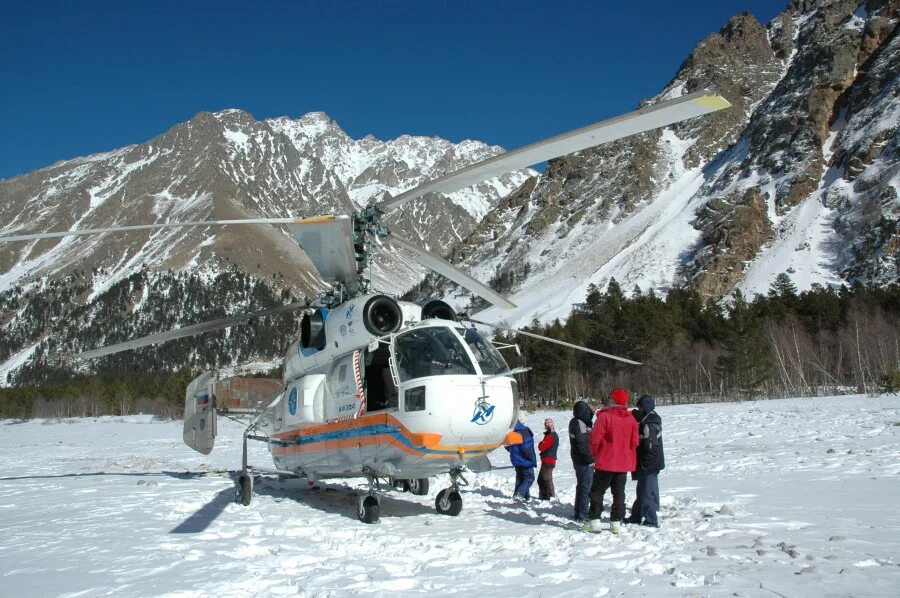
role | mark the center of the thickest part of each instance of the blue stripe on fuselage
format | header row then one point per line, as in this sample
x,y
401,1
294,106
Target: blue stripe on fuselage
x,y
373,430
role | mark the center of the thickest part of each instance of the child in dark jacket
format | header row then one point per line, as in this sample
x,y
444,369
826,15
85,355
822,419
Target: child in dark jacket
x,y
548,447
650,461
523,459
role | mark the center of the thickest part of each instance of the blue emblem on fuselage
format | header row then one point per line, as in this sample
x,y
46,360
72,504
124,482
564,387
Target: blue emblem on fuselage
x,y
484,412
292,402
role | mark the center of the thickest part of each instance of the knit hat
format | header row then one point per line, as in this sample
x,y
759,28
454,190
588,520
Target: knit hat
x,y
548,423
619,396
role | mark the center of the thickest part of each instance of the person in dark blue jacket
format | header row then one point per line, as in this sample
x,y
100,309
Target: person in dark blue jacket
x,y
523,459
650,461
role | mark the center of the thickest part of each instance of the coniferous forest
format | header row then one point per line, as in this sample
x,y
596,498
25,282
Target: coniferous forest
x,y
787,343
819,342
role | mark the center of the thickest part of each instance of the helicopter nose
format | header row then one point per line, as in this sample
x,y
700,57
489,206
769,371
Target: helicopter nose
x,y
482,419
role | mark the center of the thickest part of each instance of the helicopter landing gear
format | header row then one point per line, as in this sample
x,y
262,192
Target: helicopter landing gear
x,y
244,488
369,507
417,486
449,501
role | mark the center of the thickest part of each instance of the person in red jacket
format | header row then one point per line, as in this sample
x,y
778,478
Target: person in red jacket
x,y
548,447
614,441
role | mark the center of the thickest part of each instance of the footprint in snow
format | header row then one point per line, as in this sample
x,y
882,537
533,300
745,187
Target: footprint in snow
x,y
513,572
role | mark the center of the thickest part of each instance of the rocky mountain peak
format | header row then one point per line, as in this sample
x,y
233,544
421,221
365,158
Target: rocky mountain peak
x,y
801,176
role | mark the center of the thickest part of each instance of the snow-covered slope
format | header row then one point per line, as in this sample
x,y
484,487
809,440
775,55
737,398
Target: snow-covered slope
x,y
792,497
229,165
216,166
801,176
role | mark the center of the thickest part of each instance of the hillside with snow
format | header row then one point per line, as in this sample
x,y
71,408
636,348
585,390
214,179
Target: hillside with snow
x,y
228,165
801,176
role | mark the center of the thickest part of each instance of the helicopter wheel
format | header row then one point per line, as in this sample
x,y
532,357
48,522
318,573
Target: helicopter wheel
x,y
400,485
418,486
244,489
448,502
369,509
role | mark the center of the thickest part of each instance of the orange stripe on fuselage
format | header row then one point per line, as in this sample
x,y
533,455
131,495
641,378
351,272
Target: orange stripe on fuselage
x,y
375,419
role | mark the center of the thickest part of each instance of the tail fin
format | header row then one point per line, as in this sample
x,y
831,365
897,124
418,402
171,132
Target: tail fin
x,y
200,414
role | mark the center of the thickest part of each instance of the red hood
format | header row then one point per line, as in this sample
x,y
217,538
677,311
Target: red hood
x,y
620,411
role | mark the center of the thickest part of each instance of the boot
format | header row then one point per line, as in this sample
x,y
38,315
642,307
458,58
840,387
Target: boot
x,y
615,526
593,526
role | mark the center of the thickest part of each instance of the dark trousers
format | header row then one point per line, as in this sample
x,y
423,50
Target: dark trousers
x,y
647,502
583,475
524,480
546,491
604,480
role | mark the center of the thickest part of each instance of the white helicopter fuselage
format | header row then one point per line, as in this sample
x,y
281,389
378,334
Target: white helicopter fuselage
x,y
429,397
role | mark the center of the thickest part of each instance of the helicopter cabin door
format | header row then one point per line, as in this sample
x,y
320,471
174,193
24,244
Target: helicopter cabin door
x,y
345,402
381,392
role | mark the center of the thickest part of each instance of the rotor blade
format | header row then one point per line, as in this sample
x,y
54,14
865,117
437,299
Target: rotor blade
x,y
445,268
553,340
134,227
162,337
644,119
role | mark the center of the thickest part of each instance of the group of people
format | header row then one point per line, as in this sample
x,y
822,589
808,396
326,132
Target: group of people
x,y
605,449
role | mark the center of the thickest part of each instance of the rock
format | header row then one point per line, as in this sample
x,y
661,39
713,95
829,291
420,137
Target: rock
x,y
141,482
761,552
793,554
726,511
837,538
711,551
152,484
829,451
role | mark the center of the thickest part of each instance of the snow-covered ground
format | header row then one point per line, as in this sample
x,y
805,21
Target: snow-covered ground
x,y
793,498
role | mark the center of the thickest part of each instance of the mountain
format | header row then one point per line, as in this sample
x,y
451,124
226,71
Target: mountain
x,y
229,165
800,176
219,165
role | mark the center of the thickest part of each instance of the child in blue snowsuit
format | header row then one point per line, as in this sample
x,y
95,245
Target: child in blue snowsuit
x,y
650,461
523,459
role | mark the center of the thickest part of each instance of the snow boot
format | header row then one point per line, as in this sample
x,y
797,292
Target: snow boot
x,y
615,526
593,526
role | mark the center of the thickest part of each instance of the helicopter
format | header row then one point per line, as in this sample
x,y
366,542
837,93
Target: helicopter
x,y
376,387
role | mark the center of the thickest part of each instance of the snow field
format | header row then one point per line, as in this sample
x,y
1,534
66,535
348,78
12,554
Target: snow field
x,y
796,497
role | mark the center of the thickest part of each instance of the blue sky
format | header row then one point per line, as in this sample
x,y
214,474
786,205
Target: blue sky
x,y
84,77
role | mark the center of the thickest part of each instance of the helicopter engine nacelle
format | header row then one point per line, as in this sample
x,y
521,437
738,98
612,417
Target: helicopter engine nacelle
x,y
438,309
357,322
352,325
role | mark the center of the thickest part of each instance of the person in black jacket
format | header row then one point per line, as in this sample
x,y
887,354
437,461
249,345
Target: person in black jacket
x,y
582,459
650,461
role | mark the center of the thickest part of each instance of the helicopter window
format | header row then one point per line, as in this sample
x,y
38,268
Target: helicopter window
x,y
414,399
342,374
489,359
430,352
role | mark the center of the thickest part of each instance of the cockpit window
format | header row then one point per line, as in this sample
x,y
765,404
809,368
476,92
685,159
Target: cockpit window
x,y
489,359
433,351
